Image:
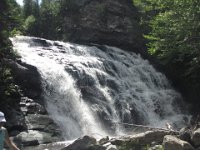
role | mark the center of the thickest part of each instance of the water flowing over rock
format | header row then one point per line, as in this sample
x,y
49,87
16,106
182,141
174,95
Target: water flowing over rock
x,y
93,90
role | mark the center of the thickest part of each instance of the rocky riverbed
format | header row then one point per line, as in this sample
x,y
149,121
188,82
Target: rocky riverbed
x,y
186,139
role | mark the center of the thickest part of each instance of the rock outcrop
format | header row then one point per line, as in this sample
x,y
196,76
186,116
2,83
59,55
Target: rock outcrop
x,y
196,137
141,139
173,143
82,143
109,22
27,77
27,119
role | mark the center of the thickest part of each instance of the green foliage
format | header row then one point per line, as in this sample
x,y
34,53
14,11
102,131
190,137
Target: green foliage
x,y
14,17
7,87
31,7
148,10
27,9
31,14
173,31
9,20
10,24
7,79
175,34
11,90
29,25
174,28
52,17
15,32
36,9
49,20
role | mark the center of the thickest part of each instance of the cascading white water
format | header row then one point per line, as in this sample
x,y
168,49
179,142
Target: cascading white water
x,y
89,89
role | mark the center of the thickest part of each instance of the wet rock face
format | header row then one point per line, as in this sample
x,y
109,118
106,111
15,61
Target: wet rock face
x,y
27,77
27,119
196,137
38,127
110,22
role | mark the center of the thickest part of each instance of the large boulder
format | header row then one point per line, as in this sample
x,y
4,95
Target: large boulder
x,y
42,123
35,137
15,120
196,137
49,146
173,143
185,134
109,22
141,140
82,144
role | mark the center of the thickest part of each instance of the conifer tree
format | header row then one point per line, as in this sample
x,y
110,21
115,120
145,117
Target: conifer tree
x,y
27,9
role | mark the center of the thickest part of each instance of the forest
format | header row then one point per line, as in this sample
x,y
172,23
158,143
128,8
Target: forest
x,y
171,29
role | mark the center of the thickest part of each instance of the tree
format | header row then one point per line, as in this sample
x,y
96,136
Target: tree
x,y
174,38
8,21
27,9
50,21
31,11
175,33
30,25
36,9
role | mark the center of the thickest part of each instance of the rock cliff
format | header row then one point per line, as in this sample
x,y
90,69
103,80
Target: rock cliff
x,y
27,119
109,22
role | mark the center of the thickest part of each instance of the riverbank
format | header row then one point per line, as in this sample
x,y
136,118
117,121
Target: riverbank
x,y
185,139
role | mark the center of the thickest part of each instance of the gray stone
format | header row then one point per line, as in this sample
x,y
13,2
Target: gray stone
x,y
142,139
173,143
196,137
50,146
111,147
198,148
32,138
41,122
104,140
108,22
185,134
83,143
156,147
29,106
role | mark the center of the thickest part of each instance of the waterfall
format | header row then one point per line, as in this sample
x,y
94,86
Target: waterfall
x,y
91,89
